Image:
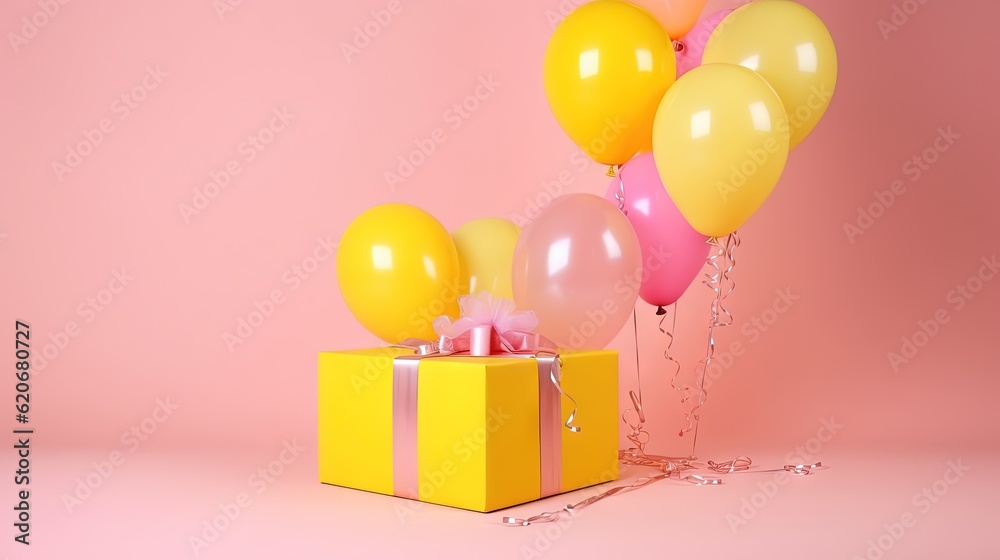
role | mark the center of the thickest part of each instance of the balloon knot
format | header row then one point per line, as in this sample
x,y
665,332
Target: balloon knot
x,y
660,310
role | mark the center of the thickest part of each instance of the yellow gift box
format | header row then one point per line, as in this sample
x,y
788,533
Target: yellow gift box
x,y
484,433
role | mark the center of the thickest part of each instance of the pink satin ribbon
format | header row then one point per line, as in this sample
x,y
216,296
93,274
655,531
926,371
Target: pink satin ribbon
x,y
549,432
479,340
405,483
483,340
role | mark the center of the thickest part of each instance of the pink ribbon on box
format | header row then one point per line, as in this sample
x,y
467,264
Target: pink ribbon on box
x,y
488,326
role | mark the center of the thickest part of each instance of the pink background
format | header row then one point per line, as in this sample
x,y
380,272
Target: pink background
x,y
62,239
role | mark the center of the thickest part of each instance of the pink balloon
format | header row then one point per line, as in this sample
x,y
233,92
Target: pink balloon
x,y
578,267
672,251
691,47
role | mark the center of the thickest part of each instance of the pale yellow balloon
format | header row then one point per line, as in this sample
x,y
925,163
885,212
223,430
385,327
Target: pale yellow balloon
x,y
791,48
486,255
719,146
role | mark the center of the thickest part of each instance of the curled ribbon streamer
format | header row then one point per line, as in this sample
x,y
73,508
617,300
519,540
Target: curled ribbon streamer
x,y
713,280
673,470
637,436
620,195
732,243
742,464
555,375
673,467
670,340
720,282
636,455
669,467
802,469
677,366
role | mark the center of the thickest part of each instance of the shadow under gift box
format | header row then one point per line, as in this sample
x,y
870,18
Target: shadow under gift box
x,y
477,425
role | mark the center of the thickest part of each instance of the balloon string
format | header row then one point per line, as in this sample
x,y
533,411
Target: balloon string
x,y
712,280
639,437
722,284
620,195
723,287
637,434
638,371
675,378
722,260
732,243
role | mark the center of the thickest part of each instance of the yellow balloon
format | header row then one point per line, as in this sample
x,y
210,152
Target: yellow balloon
x,y
486,256
790,47
607,66
718,145
397,269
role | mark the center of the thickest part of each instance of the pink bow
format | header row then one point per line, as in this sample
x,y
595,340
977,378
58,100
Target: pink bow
x,y
488,325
